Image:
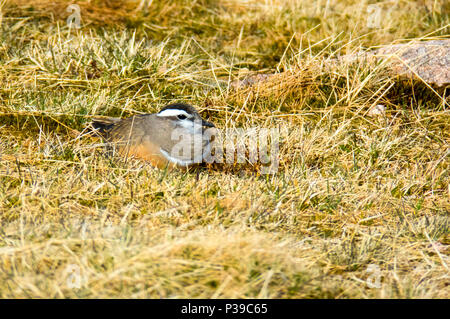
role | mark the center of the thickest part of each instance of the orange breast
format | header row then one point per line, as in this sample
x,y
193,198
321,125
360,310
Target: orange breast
x,y
147,152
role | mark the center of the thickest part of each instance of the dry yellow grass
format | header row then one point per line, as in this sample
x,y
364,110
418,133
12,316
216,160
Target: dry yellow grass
x,y
353,192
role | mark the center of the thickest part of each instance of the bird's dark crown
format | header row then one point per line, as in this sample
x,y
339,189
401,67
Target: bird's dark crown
x,y
180,106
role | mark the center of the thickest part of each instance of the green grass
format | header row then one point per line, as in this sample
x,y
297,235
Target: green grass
x,y
352,190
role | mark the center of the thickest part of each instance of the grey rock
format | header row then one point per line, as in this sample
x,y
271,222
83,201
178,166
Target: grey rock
x,y
427,61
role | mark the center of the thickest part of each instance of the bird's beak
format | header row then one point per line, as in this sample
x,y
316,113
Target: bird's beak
x,y
207,124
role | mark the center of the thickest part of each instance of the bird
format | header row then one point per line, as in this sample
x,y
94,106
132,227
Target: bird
x,y
159,138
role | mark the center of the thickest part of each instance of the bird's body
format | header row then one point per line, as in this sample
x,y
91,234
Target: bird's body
x,y
171,137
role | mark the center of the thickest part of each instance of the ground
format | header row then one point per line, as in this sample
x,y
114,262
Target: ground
x,y
359,206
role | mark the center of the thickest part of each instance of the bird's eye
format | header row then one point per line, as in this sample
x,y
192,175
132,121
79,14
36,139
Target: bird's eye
x,y
181,117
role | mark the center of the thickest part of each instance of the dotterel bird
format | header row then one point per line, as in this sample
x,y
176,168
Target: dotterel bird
x,y
173,137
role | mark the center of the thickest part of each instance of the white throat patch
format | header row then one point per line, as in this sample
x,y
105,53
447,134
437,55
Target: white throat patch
x,y
172,112
176,161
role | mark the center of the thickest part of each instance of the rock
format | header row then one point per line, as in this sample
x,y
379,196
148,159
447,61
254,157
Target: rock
x,y
427,61
377,110
250,80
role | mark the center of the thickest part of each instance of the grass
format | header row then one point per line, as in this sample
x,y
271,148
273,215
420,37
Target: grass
x,y
353,192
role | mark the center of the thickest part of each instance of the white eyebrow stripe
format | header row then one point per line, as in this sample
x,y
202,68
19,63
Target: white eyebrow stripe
x,y
172,112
